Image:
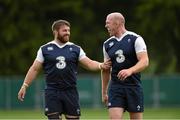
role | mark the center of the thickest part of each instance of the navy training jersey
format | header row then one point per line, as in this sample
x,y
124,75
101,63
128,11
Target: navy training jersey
x,y
122,52
60,64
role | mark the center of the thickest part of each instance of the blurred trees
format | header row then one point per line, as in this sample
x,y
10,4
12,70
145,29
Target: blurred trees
x,y
26,25
159,24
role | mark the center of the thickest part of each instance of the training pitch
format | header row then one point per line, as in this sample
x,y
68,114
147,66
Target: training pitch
x,y
150,113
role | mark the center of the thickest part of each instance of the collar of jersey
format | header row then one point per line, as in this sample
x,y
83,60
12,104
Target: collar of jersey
x,y
61,46
119,39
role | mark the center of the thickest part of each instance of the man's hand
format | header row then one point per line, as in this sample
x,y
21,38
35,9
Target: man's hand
x,y
22,92
106,65
105,99
123,74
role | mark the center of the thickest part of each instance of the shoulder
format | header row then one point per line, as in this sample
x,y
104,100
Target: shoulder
x,y
110,41
136,36
47,44
133,34
50,46
74,46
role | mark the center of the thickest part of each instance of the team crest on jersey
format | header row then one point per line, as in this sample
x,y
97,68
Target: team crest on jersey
x,y
129,40
111,44
50,48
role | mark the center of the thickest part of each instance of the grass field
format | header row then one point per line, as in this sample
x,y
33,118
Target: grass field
x,y
163,113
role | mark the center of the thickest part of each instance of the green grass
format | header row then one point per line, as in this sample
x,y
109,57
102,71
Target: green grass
x,y
163,113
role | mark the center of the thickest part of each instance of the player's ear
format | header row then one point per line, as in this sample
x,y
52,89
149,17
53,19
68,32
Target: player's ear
x,y
55,33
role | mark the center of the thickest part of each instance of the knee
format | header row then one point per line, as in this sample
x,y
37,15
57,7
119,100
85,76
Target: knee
x,y
53,116
116,113
69,117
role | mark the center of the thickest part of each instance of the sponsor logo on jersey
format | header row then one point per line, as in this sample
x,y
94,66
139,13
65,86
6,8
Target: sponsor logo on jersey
x,y
111,44
50,48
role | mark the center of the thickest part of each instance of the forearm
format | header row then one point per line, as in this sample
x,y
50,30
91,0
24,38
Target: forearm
x,y
32,73
140,66
94,65
90,64
30,76
105,77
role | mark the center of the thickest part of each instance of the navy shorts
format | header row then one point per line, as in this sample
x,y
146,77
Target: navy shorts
x,y
131,98
64,102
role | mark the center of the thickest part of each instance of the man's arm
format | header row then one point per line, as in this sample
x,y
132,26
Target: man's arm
x,y
105,77
94,65
30,76
143,62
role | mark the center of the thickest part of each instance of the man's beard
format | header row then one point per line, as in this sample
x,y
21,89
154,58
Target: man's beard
x,y
63,39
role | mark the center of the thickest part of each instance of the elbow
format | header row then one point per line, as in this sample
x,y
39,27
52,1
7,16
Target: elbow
x,y
146,63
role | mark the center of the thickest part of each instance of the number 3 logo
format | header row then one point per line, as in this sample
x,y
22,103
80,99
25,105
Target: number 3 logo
x,y
61,62
120,57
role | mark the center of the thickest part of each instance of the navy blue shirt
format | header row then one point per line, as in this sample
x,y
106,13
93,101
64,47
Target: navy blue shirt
x,y
60,64
122,53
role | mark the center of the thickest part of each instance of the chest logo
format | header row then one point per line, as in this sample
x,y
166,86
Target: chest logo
x,y
120,56
61,64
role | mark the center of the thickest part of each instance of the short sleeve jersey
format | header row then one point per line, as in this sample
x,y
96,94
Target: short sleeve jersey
x,y
122,52
60,64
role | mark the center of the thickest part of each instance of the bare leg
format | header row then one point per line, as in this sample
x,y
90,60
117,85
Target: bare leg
x,y
116,113
136,116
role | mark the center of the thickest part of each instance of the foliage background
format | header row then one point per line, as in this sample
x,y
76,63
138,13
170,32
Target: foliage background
x,y
26,25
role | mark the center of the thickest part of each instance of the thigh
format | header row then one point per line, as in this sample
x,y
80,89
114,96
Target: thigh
x,y
116,98
135,102
71,103
52,104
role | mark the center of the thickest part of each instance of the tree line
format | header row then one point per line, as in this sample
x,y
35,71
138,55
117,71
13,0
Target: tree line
x,y
26,25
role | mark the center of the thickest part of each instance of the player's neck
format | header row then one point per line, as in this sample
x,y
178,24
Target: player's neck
x,y
120,33
59,42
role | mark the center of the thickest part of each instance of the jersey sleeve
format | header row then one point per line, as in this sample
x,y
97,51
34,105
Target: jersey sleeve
x,y
82,54
140,45
40,56
106,56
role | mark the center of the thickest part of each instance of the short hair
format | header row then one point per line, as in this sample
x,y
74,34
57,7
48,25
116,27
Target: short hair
x,y
58,23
